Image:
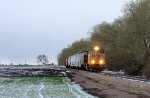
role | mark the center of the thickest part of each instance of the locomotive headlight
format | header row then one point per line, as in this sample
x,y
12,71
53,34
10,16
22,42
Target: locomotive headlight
x,y
101,61
96,48
93,62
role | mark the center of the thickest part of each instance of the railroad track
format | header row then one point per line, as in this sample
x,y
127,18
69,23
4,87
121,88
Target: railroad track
x,y
128,77
122,76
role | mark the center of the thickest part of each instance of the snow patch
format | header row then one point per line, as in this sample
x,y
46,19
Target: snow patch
x,y
77,91
113,72
41,87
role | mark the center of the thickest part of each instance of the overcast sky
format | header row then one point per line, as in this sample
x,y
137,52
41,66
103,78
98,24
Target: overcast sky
x,y
32,27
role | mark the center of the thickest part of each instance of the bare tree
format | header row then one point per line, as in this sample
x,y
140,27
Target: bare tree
x,y
42,59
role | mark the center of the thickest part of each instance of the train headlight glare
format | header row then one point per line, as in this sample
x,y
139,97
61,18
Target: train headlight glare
x,y
101,62
96,48
93,62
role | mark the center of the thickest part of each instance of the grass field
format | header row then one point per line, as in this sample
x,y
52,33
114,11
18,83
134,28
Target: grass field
x,y
40,87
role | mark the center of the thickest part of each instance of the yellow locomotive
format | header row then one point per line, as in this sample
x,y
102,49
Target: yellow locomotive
x,y
96,59
93,59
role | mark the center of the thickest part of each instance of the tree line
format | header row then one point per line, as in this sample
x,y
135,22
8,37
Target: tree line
x,y
126,40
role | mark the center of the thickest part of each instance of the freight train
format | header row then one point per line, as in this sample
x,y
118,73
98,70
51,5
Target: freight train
x,y
92,59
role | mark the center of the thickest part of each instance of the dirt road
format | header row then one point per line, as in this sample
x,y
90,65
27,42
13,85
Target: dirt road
x,y
96,85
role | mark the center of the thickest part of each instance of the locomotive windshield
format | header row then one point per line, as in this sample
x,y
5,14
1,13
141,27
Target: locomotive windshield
x,y
96,55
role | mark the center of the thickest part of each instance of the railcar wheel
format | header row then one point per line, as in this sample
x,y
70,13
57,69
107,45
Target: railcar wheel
x,y
99,71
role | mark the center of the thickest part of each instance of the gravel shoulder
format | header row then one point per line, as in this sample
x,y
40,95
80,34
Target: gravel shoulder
x,y
107,87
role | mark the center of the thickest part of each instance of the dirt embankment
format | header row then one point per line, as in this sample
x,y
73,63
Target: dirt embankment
x,y
108,87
